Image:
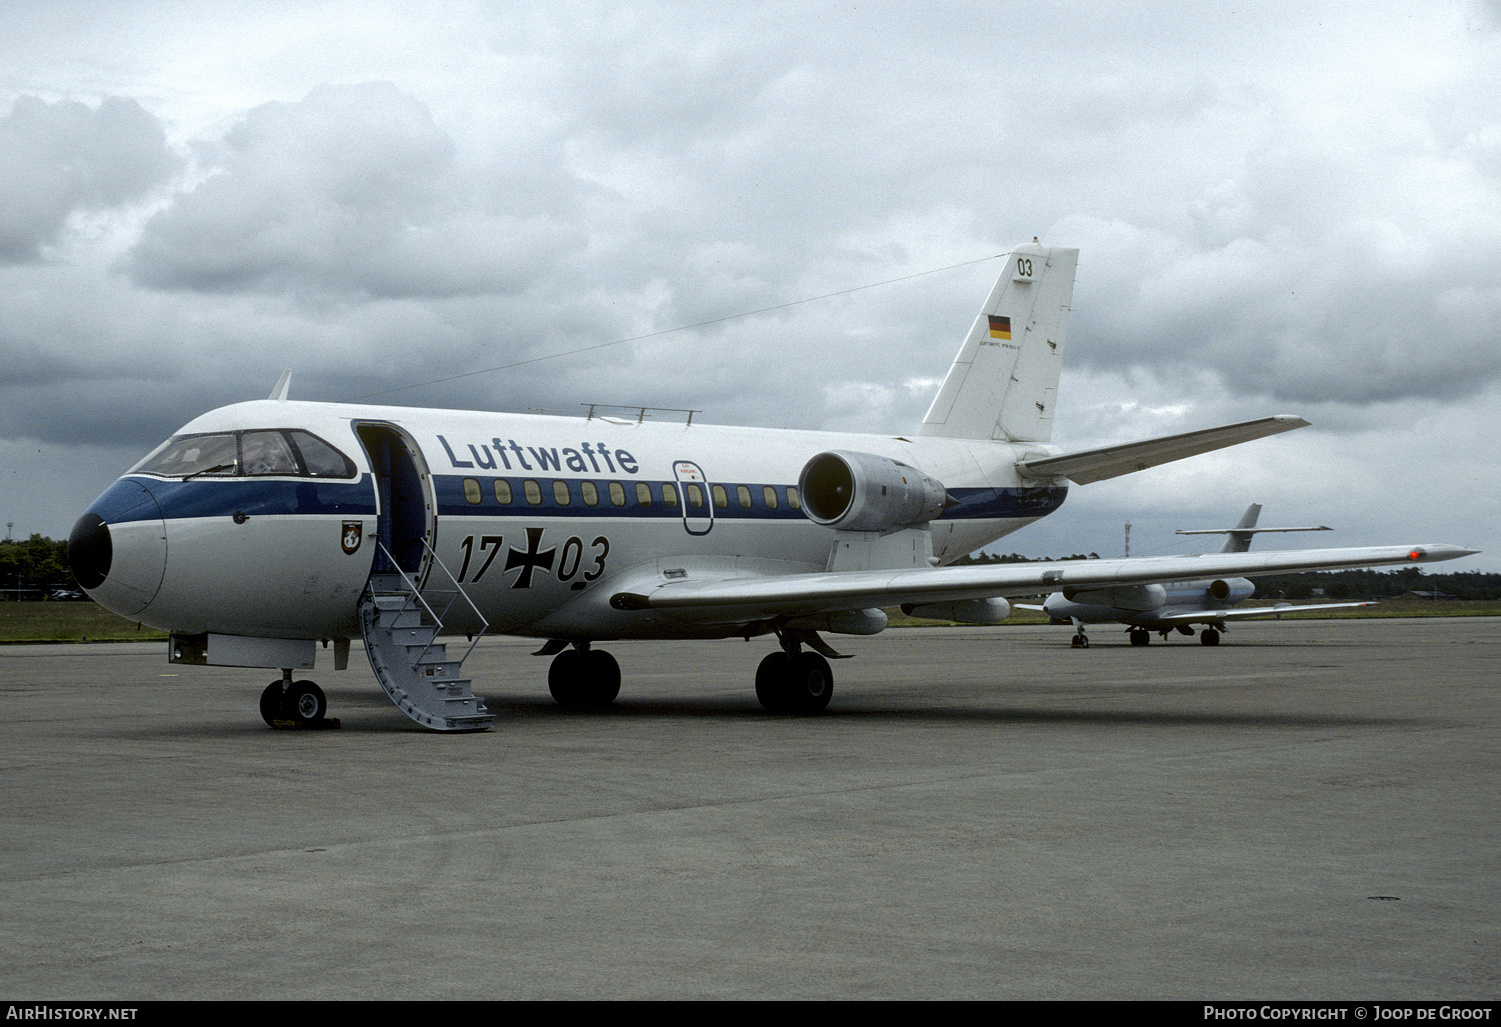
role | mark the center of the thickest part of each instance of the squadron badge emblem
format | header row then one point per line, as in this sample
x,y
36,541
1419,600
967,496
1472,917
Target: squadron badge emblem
x,y
351,534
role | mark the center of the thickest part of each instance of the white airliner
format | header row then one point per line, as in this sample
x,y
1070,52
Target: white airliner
x,y
1171,606
264,527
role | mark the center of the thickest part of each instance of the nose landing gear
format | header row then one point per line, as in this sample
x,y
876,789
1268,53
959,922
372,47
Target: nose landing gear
x,y
295,704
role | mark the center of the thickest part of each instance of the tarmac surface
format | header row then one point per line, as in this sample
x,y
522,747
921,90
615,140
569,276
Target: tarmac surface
x,y
1310,810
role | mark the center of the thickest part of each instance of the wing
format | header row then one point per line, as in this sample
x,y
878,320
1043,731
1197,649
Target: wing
x,y
746,597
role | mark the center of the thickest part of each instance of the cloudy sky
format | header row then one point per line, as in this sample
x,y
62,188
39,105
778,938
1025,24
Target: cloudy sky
x,y
1282,207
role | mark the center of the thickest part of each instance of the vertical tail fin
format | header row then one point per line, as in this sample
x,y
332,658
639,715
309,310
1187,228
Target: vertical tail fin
x,y
1240,541
1003,382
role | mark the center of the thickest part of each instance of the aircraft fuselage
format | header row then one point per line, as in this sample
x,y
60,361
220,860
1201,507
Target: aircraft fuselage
x,y
539,518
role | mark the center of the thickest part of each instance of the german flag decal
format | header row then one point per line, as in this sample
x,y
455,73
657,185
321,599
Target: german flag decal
x,y
1000,327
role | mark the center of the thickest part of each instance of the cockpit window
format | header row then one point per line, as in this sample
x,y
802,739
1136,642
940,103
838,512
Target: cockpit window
x,y
291,453
193,455
267,452
321,459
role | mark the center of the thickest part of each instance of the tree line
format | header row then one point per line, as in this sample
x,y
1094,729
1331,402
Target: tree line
x,y
38,564
33,566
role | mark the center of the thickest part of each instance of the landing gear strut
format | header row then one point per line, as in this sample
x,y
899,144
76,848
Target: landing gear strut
x,y
301,703
584,678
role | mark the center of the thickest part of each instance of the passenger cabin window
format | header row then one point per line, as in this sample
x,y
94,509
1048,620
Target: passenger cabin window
x,y
694,494
617,493
533,492
265,452
669,494
643,494
792,499
721,498
742,494
769,494
560,492
590,492
472,491
502,492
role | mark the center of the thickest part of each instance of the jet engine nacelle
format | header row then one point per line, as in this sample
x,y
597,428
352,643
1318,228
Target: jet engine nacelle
x,y
1231,590
1122,597
865,492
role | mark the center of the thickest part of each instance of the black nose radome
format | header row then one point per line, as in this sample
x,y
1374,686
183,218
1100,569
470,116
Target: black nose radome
x,y
90,551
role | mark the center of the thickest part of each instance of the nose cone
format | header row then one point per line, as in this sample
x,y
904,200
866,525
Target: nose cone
x,y
118,549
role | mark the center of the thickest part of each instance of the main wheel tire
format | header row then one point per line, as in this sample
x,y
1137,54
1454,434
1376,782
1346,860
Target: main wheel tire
x,y
602,674
1209,636
272,705
773,682
587,680
1140,637
565,677
810,683
305,703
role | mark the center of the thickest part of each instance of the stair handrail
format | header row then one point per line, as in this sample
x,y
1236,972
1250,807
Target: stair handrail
x,y
415,593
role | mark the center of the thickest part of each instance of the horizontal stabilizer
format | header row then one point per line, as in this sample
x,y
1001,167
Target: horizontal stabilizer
x,y
1111,461
1246,531
757,597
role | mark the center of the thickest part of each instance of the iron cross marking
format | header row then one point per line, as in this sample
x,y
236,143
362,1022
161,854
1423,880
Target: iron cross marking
x,y
529,560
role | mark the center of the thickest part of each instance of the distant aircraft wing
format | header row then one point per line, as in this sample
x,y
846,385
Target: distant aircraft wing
x,y
718,599
1240,613
1110,461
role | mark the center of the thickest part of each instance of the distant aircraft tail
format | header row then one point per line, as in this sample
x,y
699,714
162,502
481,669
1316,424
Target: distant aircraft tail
x,y
1240,541
1004,381
1239,537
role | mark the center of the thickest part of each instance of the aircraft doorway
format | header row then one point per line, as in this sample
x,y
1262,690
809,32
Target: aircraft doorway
x,y
404,499
698,507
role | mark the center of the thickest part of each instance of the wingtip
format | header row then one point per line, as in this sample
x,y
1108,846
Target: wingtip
x,y
1429,553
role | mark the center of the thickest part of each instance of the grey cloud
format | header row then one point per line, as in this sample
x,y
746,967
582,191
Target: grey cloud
x,y
58,158
350,191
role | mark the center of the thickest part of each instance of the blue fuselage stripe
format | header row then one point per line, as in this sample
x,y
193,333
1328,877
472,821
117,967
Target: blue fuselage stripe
x,y
208,497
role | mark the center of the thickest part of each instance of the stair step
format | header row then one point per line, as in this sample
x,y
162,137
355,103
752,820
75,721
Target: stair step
x,y
416,672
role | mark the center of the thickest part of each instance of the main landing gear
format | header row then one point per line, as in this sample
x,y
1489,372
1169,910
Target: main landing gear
x,y
790,681
794,681
584,678
288,703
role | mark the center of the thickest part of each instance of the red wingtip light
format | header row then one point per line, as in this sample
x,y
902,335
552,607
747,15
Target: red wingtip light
x,y
1416,554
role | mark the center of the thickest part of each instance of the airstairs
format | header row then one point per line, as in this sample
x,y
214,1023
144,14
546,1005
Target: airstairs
x,y
401,627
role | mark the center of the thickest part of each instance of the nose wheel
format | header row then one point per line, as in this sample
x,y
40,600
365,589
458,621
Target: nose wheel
x,y
287,703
